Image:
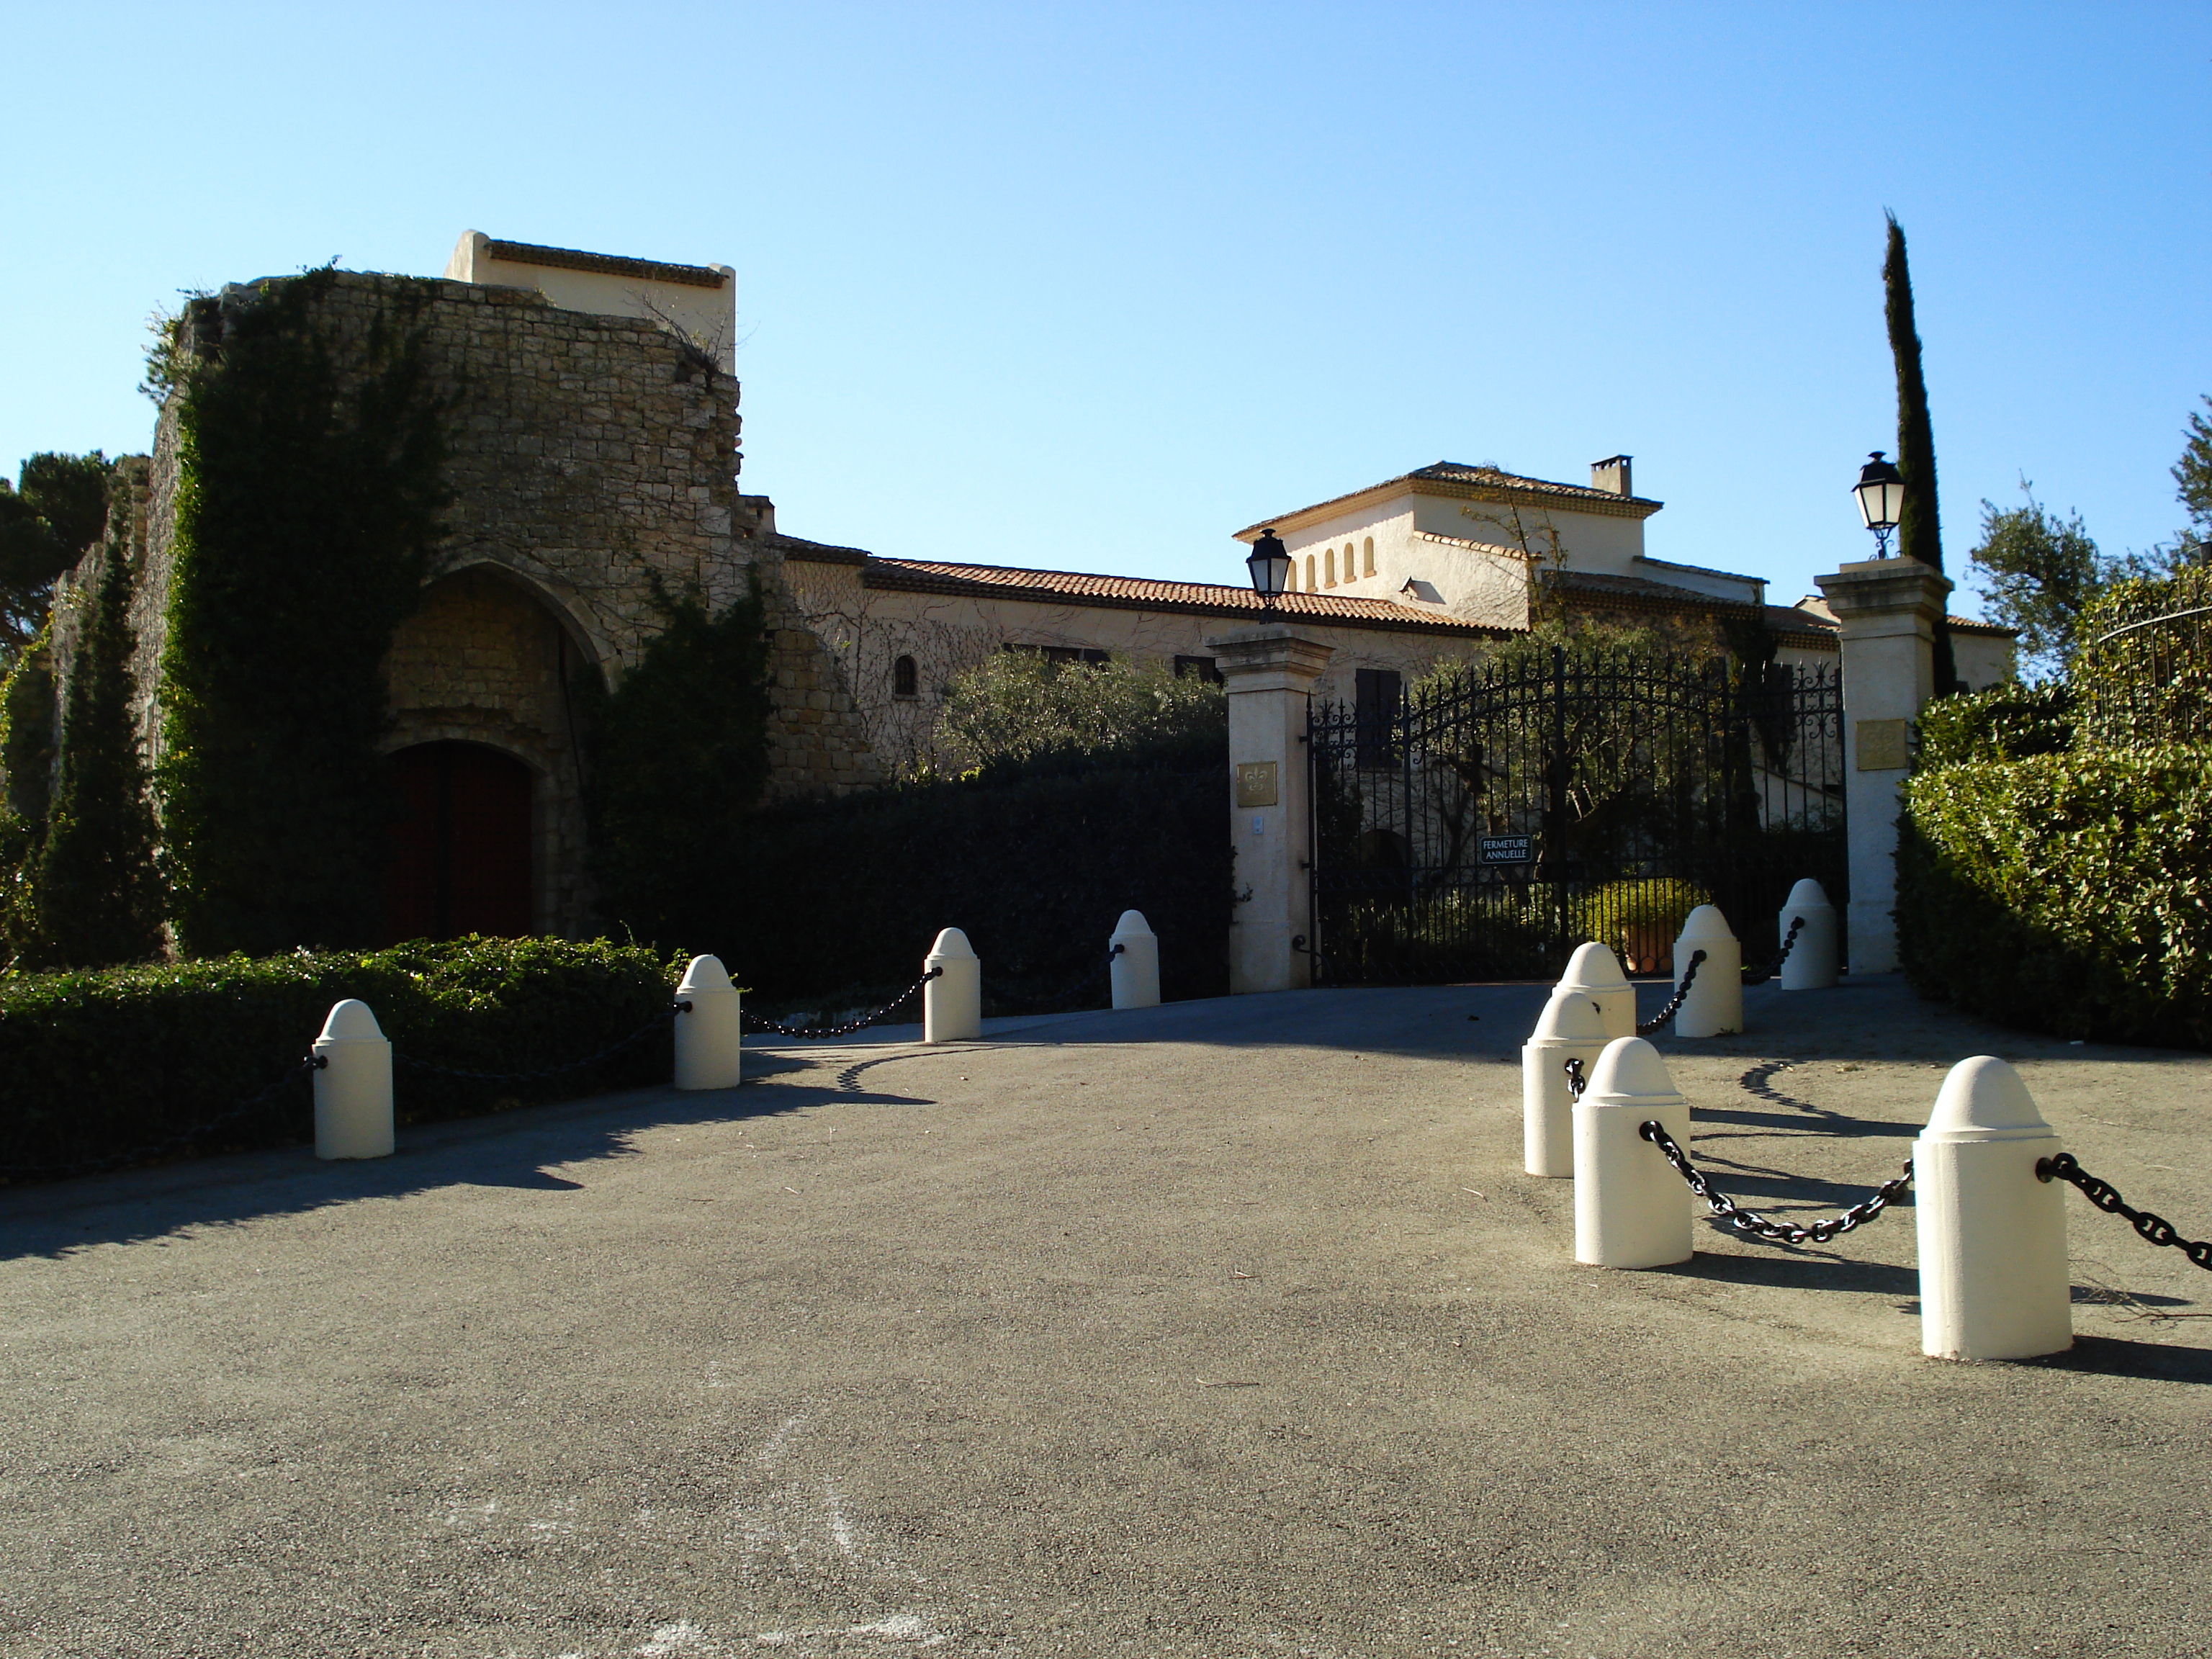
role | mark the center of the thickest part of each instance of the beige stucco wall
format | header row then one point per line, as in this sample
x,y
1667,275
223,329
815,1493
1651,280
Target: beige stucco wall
x,y
866,629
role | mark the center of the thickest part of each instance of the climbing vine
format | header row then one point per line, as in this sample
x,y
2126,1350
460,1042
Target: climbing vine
x,y
308,500
99,901
678,753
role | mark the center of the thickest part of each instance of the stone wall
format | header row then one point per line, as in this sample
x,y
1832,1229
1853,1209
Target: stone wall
x,y
592,467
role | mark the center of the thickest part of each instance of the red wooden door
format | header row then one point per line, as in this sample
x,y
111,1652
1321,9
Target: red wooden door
x,y
460,852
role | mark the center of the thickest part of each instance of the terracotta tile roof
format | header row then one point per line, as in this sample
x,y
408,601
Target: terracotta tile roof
x,y
1655,595
1140,593
1473,483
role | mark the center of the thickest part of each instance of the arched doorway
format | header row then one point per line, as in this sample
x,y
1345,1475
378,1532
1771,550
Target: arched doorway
x,y
460,851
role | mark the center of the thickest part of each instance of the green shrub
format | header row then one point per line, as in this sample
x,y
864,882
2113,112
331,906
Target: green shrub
x,y
2152,682
1035,863
1016,707
97,1064
2064,893
2006,722
1640,919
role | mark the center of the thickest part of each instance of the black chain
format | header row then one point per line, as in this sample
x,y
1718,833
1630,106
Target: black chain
x,y
542,1072
2152,1229
176,1143
1078,992
850,1025
1750,1221
1682,995
1788,943
1576,1081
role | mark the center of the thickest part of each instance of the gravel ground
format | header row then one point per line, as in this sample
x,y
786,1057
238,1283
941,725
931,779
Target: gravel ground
x,y
1221,1329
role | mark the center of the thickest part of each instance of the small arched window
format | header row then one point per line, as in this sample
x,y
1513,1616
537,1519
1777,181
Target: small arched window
x,y
1311,584
1367,556
1329,569
1347,562
904,678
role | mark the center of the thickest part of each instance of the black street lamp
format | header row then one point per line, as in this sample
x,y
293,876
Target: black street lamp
x,y
1270,565
1881,490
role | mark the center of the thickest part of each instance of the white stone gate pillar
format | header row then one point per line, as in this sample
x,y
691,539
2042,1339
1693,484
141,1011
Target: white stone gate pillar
x,y
1886,611
1269,671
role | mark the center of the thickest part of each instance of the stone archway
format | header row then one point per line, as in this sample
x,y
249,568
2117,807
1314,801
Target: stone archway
x,y
461,855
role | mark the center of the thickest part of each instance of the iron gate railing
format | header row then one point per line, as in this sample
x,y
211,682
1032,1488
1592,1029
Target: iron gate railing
x,y
1507,811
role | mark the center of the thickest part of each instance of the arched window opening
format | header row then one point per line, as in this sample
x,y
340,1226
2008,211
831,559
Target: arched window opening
x,y
1328,567
905,679
1367,556
460,856
1311,584
1347,563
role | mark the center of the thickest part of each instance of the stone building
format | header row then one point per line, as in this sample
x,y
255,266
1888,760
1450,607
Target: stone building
x,y
591,463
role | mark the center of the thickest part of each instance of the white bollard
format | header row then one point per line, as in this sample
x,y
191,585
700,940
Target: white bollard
x,y
1570,1028
1133,968
1714,1007
710,1036
353,1085
1632,1209
952,1003
1595,972
1993,1268
1812,964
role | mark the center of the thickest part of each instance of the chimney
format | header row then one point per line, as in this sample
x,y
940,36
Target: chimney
x,y
1611,476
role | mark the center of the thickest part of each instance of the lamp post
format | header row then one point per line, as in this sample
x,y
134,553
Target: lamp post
x,y
1881,490
1270,565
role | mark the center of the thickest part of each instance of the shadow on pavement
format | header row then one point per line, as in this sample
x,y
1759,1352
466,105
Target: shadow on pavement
x,y
1792,1269
2120,1356
518,1150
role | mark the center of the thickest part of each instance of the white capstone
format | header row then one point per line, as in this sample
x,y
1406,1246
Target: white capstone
x,y
1133,963
952,1003
353,1086
1570,1028
1812,964
710,1037
1994,1280
1714,1004
1632,1209
1595,972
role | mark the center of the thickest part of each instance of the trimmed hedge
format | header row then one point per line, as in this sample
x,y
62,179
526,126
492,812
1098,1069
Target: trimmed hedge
x,y
2064,892
97,1064
1034,862
2006,722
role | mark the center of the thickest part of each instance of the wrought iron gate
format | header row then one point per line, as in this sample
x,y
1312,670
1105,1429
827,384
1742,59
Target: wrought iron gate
x,y
1484,825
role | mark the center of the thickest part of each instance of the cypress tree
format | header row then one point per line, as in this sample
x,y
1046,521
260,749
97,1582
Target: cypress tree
x,y
1919,529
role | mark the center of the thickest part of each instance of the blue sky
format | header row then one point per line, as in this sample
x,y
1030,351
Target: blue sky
x,y
1092,287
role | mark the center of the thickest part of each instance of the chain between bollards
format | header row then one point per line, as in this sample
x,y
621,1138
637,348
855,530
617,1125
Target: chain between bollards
x,y
850,1025
542,1072
2151,1228
1750,1221
1090,982
1645,1028
1788,943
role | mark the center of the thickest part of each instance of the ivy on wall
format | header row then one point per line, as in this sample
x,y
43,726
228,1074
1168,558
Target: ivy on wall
x,y
98,899
26,764
308,496
678,754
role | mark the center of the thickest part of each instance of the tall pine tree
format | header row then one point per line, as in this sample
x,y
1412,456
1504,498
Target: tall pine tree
x,y
1919,529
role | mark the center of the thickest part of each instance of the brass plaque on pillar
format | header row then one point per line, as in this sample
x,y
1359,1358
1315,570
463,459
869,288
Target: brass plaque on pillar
x,y
1255,783
1882,745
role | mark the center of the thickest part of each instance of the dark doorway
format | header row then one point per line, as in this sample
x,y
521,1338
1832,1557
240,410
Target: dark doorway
x,y
460,851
